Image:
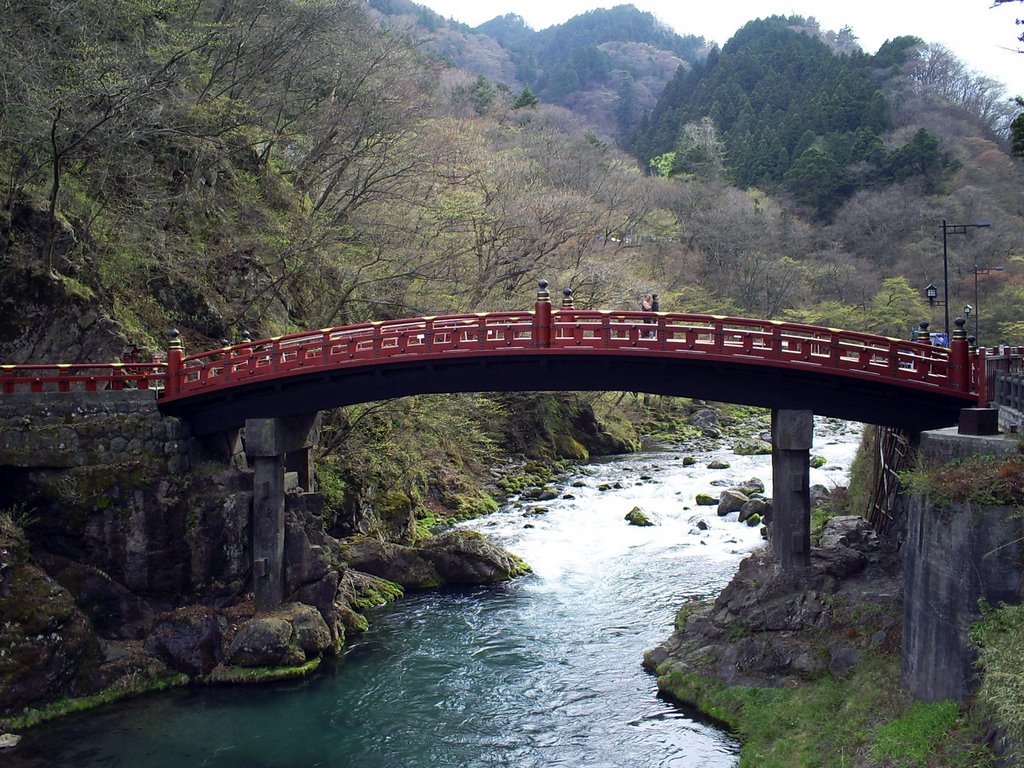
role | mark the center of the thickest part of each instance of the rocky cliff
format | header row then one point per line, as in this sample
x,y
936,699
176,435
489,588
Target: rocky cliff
x,y
126,559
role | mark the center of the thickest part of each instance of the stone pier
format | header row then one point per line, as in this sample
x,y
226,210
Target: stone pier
x,y
272,447
792,437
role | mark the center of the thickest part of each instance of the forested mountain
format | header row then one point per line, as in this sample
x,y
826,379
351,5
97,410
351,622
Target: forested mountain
x,y
608,65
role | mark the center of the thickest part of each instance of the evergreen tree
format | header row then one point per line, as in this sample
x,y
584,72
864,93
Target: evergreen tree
x,y
526,98
815,180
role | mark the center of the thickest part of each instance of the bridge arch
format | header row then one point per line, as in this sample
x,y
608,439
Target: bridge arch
x,y
844,374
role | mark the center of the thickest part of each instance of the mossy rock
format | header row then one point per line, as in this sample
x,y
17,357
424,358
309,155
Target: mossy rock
x,y
753,521
752,448
569,447
689,461
235,674
638,517
718,464
476,505
706,500
817,462
547,493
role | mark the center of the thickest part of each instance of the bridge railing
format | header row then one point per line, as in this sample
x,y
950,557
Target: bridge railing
x,y
1009,390
333,348
996,360
735,338
544,329
81,377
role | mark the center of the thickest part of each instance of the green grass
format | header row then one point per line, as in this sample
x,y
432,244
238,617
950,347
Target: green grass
x,y
912,738
862,720
999,636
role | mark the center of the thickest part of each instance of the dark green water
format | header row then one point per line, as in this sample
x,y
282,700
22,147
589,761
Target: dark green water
x,y
544,671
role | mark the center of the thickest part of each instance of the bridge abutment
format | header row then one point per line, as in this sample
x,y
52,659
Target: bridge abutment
x,y
274,446
955,556
792,437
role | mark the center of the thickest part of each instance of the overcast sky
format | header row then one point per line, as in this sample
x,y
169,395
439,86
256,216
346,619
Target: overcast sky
x,y
980,35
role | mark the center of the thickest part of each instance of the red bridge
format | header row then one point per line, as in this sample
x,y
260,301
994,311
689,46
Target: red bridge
x,y
844,374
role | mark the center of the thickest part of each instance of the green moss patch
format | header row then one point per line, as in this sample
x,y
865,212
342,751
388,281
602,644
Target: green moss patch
x,y
864,719
233,674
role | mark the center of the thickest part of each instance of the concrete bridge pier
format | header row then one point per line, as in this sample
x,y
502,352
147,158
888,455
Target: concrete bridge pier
x,y
792,437
272,447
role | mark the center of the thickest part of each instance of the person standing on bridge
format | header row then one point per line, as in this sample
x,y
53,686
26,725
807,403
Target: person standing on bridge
x,y
649,303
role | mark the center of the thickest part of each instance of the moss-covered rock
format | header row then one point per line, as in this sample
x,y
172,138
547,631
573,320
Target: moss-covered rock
x,y
638,517
752,447
49,649
397,563
464,557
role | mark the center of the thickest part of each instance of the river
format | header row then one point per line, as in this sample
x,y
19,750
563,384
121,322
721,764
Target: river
x,y
543,671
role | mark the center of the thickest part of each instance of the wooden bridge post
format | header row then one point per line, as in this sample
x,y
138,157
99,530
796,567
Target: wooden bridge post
x,y
542,316
175,353
792,437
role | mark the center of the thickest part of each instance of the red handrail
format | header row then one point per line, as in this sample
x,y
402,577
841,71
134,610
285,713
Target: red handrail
x,y
81,377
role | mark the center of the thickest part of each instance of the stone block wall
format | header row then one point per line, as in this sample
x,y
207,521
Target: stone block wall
x,y
62,430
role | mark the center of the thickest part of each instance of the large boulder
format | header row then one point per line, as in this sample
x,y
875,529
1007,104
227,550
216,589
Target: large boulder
x,y
705,418
752,447
751,486
291,635
265,642
753,508
395,562
465,557
46,640
187,640
322,595
458,557
731,501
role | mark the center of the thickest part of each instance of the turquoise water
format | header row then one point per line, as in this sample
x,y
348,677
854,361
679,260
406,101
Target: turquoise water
x,y
544,671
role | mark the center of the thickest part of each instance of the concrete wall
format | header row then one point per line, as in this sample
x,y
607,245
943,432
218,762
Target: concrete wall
x,y
954,556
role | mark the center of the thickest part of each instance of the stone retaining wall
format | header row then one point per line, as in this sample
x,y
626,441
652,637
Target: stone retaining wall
x,y
62,430
954,556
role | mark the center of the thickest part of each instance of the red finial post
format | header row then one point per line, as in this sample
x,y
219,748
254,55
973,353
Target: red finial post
x,y
960,358
175,353
542,316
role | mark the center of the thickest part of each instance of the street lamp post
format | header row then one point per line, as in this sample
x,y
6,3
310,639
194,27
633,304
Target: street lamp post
x,y
956,229
980,271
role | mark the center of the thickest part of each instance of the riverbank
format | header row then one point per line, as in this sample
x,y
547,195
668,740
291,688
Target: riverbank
x,y
819,653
